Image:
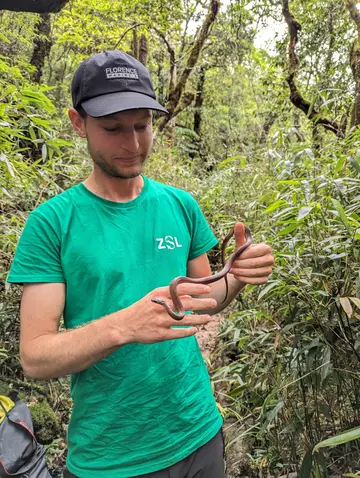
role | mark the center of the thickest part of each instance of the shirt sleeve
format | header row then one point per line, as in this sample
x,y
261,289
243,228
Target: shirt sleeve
x,y
202,239
37,257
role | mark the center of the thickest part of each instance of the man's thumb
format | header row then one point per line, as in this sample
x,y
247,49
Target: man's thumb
x,y
239,232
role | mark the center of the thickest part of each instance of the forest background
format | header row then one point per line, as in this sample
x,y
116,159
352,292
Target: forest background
x,y
263,127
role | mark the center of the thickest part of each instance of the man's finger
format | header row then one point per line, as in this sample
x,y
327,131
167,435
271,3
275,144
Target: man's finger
x,y
239,232
251,272
252,280
193,289
255,250
255,262
180,333
183,289
198,304
193,320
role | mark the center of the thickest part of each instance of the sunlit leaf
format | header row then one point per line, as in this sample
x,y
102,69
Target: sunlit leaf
x,y
304,211
276,205
44,152
288,229
356,301
8,164
269,287
228,160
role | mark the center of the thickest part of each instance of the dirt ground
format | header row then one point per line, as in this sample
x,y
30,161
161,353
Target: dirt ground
x,y
207,336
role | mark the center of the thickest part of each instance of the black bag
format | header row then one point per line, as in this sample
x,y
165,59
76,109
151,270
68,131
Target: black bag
x,y
21,456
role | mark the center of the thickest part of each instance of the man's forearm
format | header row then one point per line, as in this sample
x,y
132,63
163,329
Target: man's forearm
x,y
58,354
218,292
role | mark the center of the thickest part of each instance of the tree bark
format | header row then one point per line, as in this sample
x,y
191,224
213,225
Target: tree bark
x,y
135,44
172,74
174,104
42,46
159,58
143,50
355,62
199,99
295,96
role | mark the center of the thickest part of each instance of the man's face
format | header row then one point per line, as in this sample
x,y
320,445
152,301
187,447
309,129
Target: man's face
x,y
120,143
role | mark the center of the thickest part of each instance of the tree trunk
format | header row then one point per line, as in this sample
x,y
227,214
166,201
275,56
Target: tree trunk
x,y
174,104
199,99
355,66
135,44
42,46
143,50
295,96
159,58
355,62
269,121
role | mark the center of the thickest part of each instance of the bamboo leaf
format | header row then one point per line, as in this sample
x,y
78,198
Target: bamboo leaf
x,y
354,164
44,152
356,301
276,205
267,289
309,152
228,160
288,229
346,305
349,435
4,39
8,164
304,211
340,164
306,466
341,213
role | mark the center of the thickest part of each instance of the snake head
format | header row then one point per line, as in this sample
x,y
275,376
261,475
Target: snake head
x,y
157,300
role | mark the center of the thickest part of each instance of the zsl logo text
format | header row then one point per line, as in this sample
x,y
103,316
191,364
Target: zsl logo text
x,y
168,242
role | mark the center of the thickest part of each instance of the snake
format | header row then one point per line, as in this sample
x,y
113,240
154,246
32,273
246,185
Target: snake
x,y
179,312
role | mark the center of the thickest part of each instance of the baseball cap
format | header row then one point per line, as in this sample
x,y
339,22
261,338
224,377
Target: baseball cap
x,y
111,82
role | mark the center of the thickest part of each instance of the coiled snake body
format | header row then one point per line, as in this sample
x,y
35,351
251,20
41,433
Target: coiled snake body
x,y
204,280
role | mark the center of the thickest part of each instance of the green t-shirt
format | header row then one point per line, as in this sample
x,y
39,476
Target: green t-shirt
x,y
145,407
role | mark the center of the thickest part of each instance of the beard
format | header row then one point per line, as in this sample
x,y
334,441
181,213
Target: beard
x,y
113,171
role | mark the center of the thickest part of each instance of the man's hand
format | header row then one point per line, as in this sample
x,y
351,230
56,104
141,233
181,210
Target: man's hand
x,y
151,323
255,265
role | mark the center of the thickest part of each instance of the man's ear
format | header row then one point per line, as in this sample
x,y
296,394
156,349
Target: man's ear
x,y
78,122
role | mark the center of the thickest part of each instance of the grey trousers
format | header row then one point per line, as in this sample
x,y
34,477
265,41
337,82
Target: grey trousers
x,y
206,462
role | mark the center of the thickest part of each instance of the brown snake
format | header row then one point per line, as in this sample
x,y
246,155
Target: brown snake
x,y
179,308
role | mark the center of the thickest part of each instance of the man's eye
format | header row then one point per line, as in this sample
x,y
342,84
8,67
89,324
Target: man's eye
x,y
142,127
111,130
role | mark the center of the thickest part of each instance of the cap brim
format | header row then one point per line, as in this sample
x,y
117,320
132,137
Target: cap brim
x,y
121,101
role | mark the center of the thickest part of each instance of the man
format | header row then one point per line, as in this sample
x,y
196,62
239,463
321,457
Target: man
x,y
97,254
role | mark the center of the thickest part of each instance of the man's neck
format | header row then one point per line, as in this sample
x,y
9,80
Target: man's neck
x,y
115,189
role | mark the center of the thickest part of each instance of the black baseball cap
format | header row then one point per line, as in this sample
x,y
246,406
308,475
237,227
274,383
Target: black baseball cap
x,y
111,82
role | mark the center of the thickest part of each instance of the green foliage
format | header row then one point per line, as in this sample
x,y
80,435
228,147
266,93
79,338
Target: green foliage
x,y
290,350
293,346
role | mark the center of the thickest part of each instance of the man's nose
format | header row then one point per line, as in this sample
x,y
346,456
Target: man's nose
x,y
130,141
